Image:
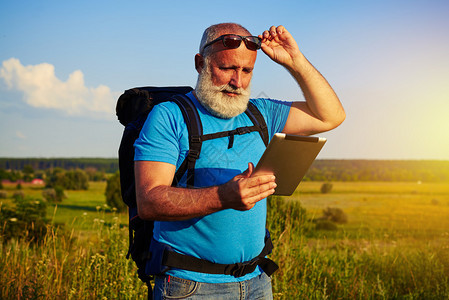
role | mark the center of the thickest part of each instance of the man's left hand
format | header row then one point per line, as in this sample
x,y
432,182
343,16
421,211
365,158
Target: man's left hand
x,y
280,46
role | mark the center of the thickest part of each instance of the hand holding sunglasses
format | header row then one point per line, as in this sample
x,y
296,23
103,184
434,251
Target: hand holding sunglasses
x,y
281,47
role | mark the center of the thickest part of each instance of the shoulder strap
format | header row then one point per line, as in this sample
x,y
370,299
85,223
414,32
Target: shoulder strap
x,y
256,117
195,130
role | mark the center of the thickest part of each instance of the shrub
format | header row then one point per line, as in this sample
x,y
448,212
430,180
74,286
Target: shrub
x,y
285,215
3,195
326,225
334,214
54,195
77,180
18,195
25,220
326,187
70,180
113,193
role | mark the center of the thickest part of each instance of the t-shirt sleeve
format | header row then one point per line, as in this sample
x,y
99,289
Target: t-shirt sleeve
x,y
160,135
275,113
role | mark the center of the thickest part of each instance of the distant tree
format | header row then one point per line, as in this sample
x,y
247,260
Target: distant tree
x,y
326,187
39,174
55,177
94,174
334,214
15,176
113,193
3,174
69,180
28,173
77,180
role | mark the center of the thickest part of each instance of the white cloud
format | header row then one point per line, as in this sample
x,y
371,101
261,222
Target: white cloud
x,y
20,135
41,88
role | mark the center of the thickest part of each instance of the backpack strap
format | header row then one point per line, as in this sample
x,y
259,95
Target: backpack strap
x,y
258,120
230,134
195,130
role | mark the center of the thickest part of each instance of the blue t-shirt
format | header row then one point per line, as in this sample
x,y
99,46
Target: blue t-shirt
x,y
228,236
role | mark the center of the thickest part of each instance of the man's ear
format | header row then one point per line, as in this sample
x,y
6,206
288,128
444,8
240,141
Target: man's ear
x,y
199,62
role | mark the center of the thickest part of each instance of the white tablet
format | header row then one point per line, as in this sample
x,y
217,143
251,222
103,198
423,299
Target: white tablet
x,y
289,157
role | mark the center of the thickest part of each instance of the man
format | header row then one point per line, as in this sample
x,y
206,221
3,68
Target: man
x,y
222,220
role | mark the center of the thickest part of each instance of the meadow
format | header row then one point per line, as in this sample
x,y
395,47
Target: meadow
x,y
395,245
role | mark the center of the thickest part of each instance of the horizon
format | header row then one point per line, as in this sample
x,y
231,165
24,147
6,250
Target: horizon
x,y
63,66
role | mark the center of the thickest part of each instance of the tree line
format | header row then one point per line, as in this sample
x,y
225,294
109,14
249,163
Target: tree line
x,y
107,165
321,169
379,170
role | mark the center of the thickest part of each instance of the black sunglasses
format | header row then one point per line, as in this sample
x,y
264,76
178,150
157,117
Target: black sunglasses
x,y
233,41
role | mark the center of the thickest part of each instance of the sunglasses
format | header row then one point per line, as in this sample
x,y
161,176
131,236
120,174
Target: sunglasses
x,y
233,41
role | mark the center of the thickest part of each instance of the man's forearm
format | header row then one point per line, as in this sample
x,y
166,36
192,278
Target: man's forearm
x,y
319,95
166,203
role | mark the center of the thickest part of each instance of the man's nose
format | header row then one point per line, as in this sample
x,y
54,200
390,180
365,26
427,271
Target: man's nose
x,y
236,79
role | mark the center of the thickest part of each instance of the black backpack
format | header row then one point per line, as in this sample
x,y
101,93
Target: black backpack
x,y
132,110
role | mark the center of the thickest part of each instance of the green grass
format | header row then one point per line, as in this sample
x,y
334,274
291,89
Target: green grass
x,y
394,246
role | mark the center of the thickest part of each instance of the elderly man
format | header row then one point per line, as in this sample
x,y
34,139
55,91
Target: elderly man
x,y
222,220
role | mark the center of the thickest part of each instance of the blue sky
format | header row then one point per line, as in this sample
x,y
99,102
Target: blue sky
x,y
64,63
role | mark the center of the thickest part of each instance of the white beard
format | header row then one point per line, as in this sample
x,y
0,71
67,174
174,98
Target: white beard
x,y
216,101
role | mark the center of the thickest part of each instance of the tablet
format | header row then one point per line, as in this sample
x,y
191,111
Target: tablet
x,y
289,157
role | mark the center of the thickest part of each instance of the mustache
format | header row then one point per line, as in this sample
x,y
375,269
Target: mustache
x,y
227,88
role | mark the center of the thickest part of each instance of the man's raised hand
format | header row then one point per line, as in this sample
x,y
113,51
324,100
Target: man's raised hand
x,y
280,46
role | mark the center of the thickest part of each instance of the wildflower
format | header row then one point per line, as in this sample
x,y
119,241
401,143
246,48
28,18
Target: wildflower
x,y
84,213
13,219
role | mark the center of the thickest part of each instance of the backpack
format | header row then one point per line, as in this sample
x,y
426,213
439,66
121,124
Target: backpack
x,y
132,109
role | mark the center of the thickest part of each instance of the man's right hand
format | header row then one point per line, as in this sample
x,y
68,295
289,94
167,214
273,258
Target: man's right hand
x,y
244,190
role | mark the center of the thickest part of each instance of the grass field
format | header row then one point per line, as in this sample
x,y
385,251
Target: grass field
x,y
395,245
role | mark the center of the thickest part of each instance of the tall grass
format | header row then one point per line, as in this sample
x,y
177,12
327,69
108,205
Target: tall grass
x,y
349,268
71,266
86,260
